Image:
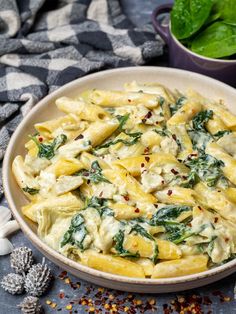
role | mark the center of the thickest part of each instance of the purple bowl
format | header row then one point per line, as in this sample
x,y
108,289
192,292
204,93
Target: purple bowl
x,y
183,58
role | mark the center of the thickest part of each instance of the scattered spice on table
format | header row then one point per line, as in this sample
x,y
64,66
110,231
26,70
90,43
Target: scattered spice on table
x,y
96,300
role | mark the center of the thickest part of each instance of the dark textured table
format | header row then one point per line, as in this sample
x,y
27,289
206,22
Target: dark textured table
x,y
71,295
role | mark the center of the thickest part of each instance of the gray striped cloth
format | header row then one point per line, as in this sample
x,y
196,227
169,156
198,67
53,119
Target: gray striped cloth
x,y
44,44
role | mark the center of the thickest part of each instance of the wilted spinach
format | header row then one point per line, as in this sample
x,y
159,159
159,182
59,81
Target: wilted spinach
x,y
94,174
77,227
122,120
220,134
134,137
168,213
177,105
31,191
48,150
119,240
205,168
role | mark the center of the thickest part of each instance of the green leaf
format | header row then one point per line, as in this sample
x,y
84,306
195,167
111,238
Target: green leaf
x,y
187,16
178,104
94,174
205,168
220,134
119,240
226,10
168,213
31,191
201,119
48,150
122,120
134,138
216,41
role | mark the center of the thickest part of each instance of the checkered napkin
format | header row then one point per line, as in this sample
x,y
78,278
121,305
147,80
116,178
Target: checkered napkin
x,y
45,44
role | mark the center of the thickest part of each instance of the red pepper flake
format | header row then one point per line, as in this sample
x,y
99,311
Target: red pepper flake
x,y
101,194
216,219
156,205
144,120
199,207
129,100
147,158
174,137
156,122
226,239
63,274
142,165
137,210
146,150
126,197
40,139
61,295
79,137
169,192
162,182
148,115
174,171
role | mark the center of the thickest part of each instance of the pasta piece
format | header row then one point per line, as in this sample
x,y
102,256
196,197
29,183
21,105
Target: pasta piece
x,y
150,88
32,148
168,250
47,128
223,113
124,211
179,131
136,243
66,166
147,266
231,194
229,168
215,125
53,222
95,134
131,185
181,267
67,183
134,165
106,98
87,160
185,113
23,175
83,110
217,200
112,264
176,195
66,202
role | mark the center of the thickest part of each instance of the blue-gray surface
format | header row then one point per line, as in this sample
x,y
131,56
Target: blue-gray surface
x,y
139,11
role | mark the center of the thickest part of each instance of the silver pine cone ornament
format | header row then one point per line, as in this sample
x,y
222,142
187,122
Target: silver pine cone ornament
x,y
37,279
30,305
21,259
13,283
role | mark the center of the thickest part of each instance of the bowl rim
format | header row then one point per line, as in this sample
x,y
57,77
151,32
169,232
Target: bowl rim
x,y
33,237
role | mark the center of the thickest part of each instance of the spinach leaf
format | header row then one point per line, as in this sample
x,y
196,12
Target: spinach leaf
x,y
198,133
143,232
31,191
226,10
178,104
100,204
205,168
122,120
48,150
119,240
77,228
134,137
168,213
216,41
220,134
201,119
94,174
177,232
162,132
187,16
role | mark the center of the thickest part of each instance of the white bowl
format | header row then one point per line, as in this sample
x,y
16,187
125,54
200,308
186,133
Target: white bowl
x,y
45,109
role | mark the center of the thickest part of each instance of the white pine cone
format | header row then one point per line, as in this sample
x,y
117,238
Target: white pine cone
x,y
37,279
13,283
30,305
21,259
